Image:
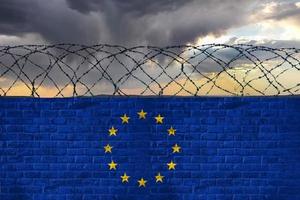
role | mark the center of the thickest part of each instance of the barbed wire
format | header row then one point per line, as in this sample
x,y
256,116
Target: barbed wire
x,y
63,70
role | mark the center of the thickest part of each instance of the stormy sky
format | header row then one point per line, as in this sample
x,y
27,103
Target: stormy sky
x,y
155,22
139,22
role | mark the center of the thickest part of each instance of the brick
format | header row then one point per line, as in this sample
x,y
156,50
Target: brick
x,y
232,148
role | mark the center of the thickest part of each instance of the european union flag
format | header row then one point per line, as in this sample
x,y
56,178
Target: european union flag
x,y
150,148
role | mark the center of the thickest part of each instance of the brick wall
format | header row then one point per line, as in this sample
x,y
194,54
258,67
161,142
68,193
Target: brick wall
x,y
232,148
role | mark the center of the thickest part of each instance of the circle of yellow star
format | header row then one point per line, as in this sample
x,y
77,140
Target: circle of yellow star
x,y
112,131
172,131
159,178
125,119
142,182
159,119
112,165
125,178
107,148
171,165
142,114
176,148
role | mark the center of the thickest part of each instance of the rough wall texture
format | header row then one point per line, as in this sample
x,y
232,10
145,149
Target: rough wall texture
x,y
231,148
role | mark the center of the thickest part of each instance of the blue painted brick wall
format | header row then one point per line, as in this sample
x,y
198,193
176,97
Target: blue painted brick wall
x,y
232,148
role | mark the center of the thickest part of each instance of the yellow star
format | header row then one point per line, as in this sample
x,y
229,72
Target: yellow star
x,y
159,119
176,148
142,114
108,148
112,131
125,119
142,182
171,165
112,165
159,178
171,131
125,178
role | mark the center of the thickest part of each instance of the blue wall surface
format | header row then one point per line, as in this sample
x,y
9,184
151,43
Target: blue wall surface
x,y
232,148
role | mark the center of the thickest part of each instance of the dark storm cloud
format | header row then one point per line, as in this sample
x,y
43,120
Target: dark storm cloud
x,y
165,22
134,7
14,16
135,22
52,20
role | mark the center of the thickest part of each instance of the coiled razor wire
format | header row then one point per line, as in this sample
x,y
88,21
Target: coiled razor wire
x,y
64,70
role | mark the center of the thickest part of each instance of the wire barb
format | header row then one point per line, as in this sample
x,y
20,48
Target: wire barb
x,y
65,70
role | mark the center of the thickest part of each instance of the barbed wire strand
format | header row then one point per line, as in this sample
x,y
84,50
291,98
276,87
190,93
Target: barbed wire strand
x,y
82,70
